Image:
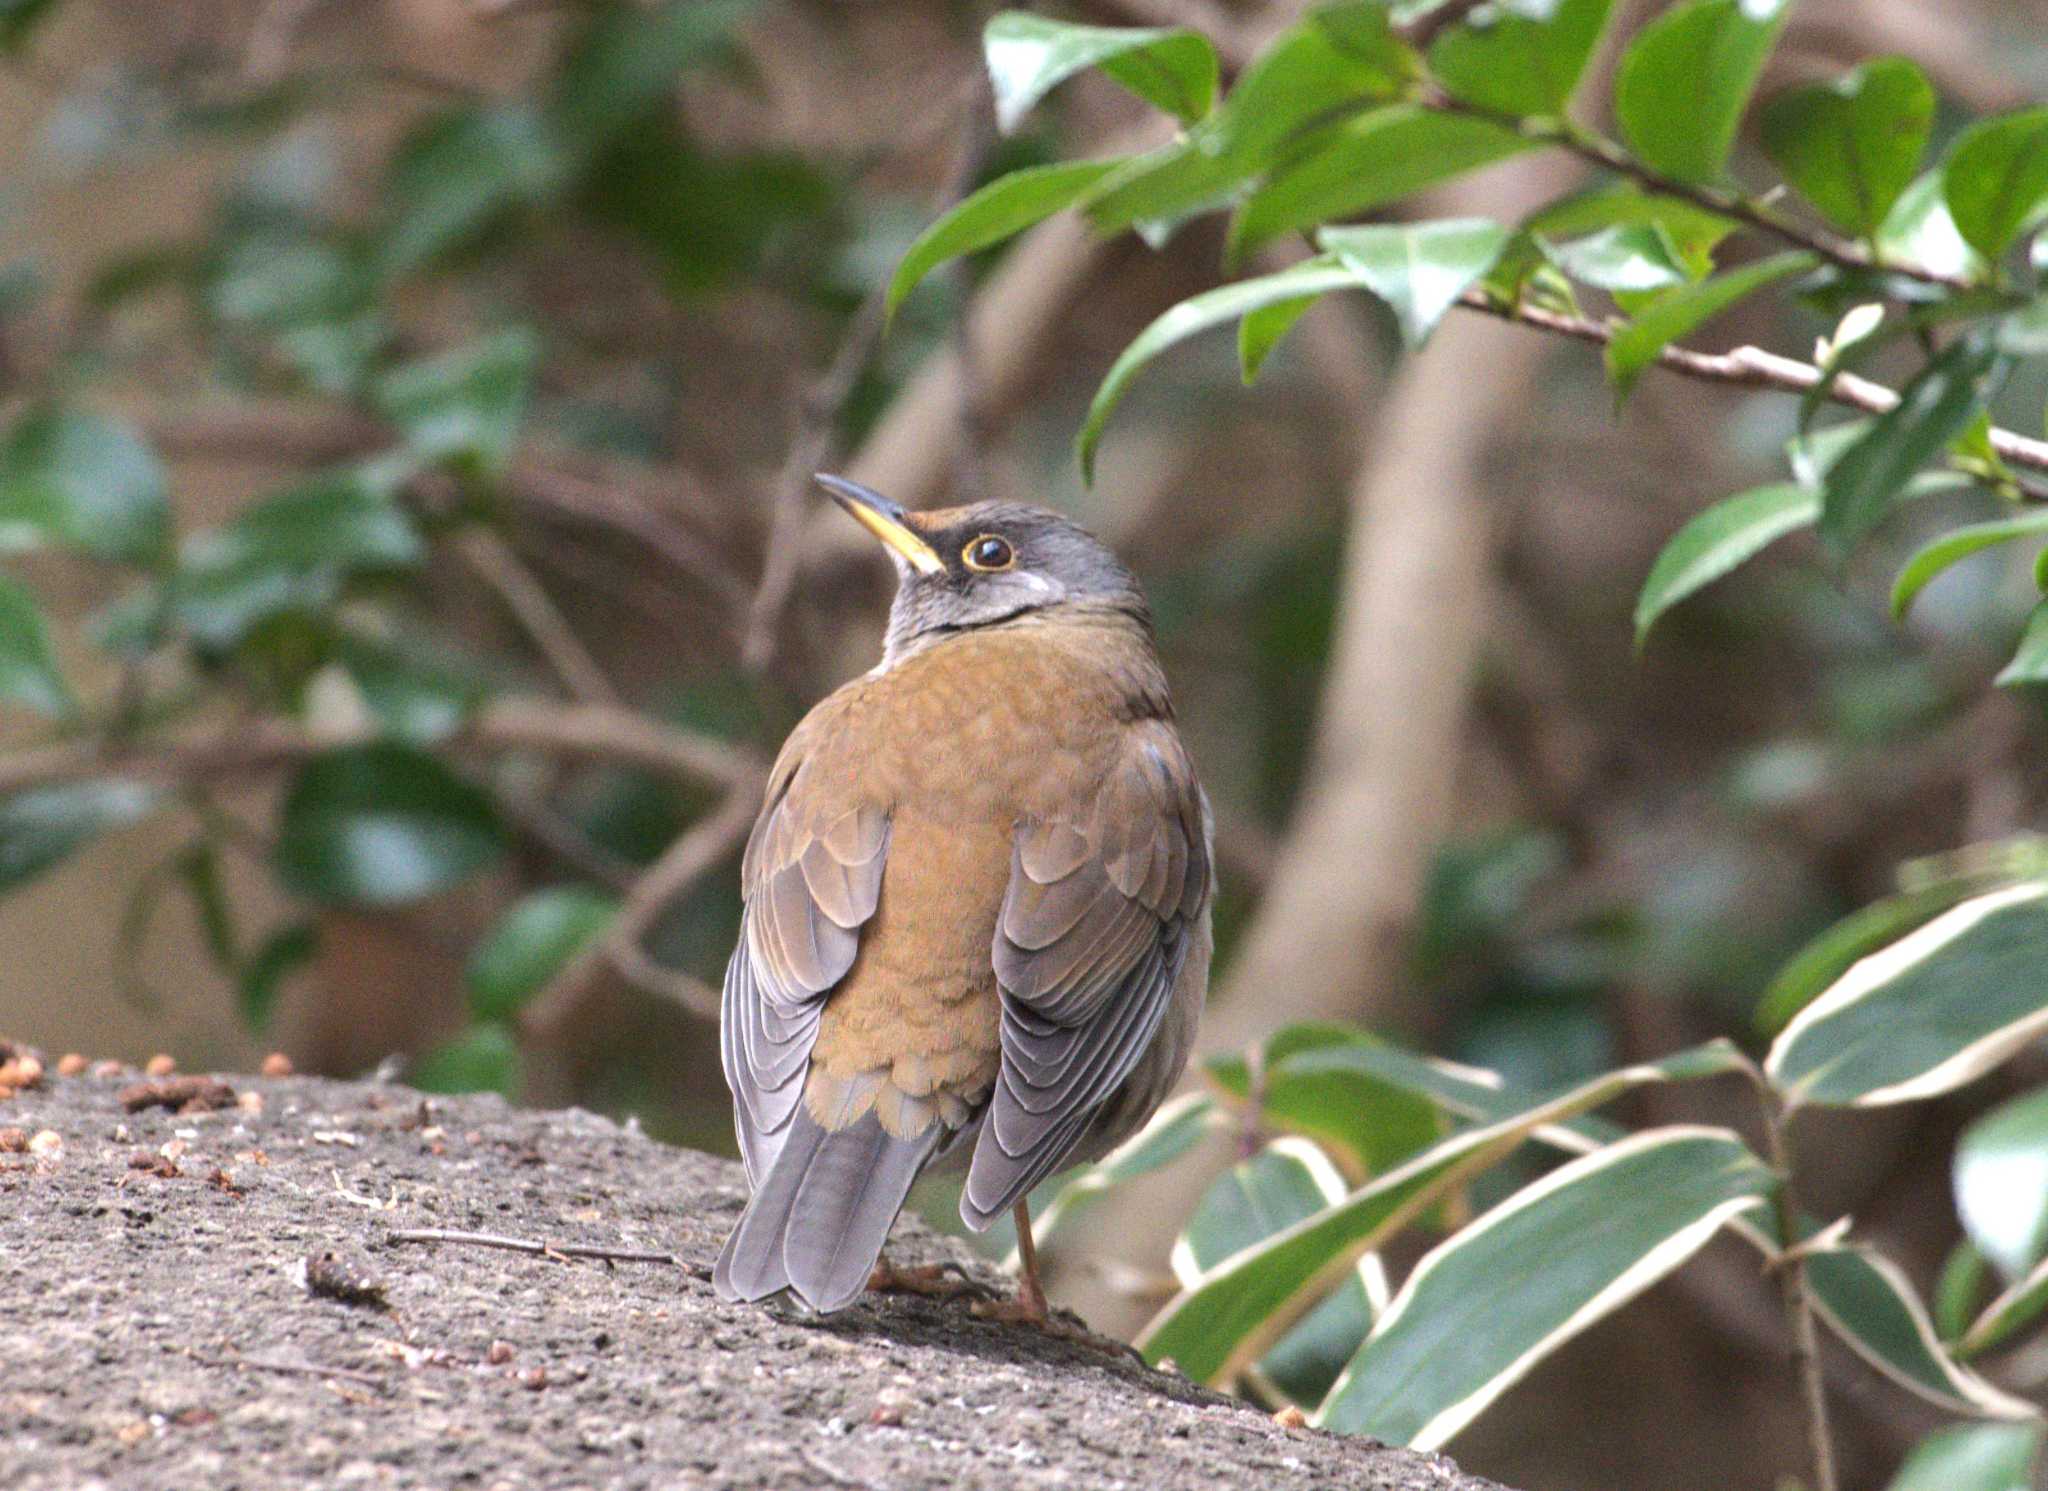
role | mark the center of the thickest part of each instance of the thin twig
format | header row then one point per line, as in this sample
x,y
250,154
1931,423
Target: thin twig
x,y
295,1369
541,1249
1427,27
563,839
538,616
594,731
1798,1294
1753,367
710,841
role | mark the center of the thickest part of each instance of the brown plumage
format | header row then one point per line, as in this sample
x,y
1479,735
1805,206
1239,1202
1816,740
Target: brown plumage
x,y
977,902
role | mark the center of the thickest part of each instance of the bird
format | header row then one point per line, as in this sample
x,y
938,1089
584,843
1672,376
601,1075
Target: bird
x,y
976,906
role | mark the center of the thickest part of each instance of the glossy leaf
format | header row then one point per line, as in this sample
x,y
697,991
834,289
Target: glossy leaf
x,y
1171,1132
1282,1184
415,697
1028,56
461,174
1936,1009
1632,259
464,406
1850,147
1691,229
1493,1300
1519,57
1956,545
81,481
1345,1100
1864,931
29,673
1237,1310
380,825
1200,313
261,979
1920,230
1312,77
1686,79
40,827
1935,407
1717,541
2029,663
531,944
1973,1457
1636,345
2001,1183
2018,1307
1005,206
1996,179
1418,269
484,1058
1866,1300
1959,1291
1381,157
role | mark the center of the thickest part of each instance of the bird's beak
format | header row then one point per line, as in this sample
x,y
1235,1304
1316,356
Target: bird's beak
x,y
885,520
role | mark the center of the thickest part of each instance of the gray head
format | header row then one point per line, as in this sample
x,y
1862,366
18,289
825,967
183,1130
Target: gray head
x,y
986,564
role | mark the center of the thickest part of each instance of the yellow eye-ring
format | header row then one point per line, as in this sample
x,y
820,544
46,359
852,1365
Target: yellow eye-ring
x,y
988,553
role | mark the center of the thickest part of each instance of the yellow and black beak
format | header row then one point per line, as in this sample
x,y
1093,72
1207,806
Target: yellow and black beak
x,y
885,520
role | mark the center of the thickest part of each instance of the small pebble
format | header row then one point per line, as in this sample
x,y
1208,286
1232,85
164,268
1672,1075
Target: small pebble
x,y
13,1141
71,1064
499,1354
107,1069
277,1064
160,1065
46,1142
1291,1417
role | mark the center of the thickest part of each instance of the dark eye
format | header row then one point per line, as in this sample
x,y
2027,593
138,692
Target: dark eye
x,y
989,552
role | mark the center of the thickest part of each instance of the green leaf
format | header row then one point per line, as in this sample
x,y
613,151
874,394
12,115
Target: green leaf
x,y
2018,1307
1264,329
2029,664
461,174
18,21
1029,56
40,827
1519,57
2001,1183
1717,541
1864,931
1996,179
531,944
1232,1315
1850,147
1693,230
1338,1096
82,481
464,406
1958,1289
1281,1185
1919,230
1212,308
1636,258
382,824
28,663
1938,405
1866,1300
1171,1132
1933,1011
416,697
1973,1457
1312,77
626,61
1638,344
484,1058
1493,1300
1005,206
1418,269
1381,157
1956,545
1686,79
262,978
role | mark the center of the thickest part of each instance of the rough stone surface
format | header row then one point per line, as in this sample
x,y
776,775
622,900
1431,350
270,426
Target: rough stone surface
x,y
157,1327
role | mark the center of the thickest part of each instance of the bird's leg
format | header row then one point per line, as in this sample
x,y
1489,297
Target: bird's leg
x,y
1029,1307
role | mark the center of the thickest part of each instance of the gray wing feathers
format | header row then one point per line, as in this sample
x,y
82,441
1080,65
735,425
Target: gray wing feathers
x,y
809,886
1093,933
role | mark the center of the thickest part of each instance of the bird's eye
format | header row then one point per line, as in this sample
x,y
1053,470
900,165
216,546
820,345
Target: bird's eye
x,y
989,552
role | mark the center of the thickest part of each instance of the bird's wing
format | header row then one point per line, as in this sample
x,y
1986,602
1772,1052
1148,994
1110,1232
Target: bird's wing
x,y
812,875
1094,929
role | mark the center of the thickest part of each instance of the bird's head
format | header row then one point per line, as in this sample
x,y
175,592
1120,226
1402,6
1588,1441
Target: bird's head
x,y
985,564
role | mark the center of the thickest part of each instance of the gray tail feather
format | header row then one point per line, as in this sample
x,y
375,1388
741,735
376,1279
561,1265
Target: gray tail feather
x,y
818,1219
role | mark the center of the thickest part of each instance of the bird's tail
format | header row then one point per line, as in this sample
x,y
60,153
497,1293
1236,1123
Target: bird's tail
x,y
818,1219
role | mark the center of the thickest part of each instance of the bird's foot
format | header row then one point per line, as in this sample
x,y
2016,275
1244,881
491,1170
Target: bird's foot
x,y
932,1280
1028,1307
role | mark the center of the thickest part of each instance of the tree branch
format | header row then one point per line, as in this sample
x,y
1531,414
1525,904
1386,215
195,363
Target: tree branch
x,y
538,616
